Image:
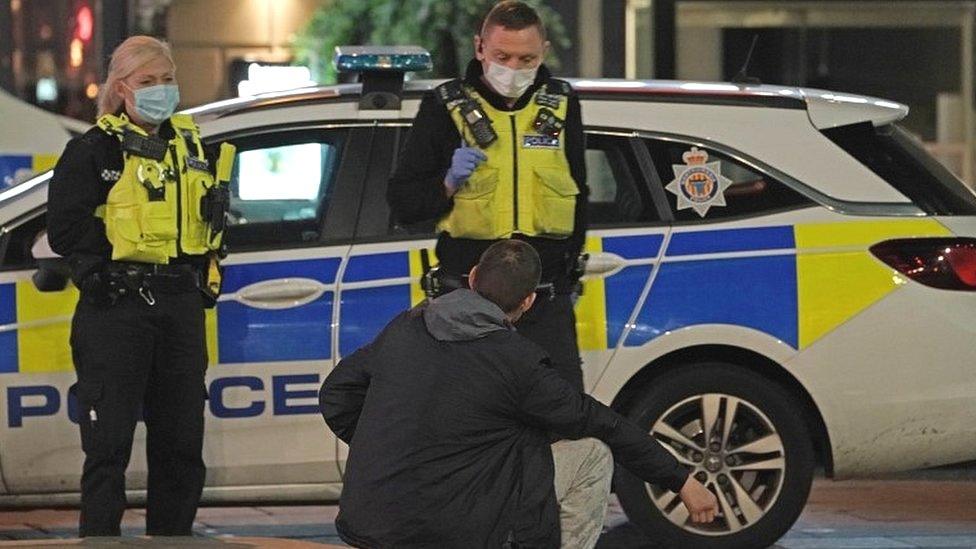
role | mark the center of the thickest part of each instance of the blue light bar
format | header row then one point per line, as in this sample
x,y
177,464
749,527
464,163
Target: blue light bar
x,y
382,58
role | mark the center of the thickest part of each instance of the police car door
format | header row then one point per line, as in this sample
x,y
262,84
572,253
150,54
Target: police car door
x,y
40,448
270,338
294,197
381,277
627,228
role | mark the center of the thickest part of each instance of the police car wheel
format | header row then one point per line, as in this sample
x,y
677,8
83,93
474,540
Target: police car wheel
x,y
758,458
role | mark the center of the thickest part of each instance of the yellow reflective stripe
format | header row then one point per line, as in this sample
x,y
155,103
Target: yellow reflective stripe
x,y
591,308
864,233
42,344
835,284
43,162
210,319
832,288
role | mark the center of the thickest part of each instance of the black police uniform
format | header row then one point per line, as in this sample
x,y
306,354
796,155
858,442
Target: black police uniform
x,y
138,342
416,195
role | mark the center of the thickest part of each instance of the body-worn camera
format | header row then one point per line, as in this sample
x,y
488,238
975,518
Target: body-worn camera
x,y
547,123
478,122
146,146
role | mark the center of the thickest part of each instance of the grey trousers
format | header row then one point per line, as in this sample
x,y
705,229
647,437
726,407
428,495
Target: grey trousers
x,y
584,469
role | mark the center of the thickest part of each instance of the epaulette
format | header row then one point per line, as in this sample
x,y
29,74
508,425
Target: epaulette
x,y
558,87
93,136
450,93
555,92
183,122
111,124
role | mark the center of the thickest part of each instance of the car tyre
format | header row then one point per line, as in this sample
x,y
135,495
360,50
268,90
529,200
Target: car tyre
x,y
767,431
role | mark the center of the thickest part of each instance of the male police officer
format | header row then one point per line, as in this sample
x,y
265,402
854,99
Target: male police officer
x,y
499,154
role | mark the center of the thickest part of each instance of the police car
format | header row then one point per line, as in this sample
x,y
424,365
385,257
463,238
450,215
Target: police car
x,y
30,139
779,279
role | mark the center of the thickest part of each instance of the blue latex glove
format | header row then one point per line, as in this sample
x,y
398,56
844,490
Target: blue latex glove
x,y
463,163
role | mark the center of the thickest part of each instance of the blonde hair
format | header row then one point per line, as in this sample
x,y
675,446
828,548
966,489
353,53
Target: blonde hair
x,y
131,54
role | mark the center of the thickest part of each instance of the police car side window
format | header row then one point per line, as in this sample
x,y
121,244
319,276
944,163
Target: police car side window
x,y
617,193
281,187
702,184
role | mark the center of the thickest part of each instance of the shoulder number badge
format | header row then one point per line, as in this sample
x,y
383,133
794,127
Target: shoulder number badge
x,y
698,183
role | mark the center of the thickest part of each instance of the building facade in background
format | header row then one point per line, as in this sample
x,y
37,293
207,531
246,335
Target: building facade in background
x,y
51,53
917,52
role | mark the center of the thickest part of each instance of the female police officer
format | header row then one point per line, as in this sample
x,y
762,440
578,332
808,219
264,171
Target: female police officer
x,y
137,206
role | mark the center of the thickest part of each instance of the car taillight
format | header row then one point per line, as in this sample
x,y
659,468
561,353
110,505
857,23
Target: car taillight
x,y
946,263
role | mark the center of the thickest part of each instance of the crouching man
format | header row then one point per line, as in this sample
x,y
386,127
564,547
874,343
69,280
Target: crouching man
x,y
448,414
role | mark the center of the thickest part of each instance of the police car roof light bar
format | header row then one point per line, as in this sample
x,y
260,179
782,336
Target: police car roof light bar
x,y
381,70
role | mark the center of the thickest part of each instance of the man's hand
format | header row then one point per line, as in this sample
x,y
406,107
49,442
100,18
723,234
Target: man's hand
x,y
463,163
701,503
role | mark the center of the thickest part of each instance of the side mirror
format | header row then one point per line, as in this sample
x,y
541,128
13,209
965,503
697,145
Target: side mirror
x,y
52,275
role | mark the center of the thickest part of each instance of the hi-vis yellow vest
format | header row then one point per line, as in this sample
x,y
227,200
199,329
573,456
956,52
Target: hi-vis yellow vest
x,y
525,186
154,211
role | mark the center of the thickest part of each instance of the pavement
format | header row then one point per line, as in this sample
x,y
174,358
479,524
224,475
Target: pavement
x,y
859,514
889,513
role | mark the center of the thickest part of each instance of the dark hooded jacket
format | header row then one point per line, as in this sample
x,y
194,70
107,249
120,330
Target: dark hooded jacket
x,y
447,415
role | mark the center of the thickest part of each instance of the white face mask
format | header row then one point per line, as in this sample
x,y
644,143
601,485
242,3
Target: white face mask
x,y
511,83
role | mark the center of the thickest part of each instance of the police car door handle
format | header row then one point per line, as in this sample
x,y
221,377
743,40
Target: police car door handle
x,y
603,264
281,293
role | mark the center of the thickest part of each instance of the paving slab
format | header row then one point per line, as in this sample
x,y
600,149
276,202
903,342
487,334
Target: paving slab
x,y
173,543
911,513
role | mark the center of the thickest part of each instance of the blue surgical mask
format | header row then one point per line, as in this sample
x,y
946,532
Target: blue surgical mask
x,y
155,104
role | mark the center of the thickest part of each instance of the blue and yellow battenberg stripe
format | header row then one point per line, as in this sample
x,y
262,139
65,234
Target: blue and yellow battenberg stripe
x,y
10,164
794,283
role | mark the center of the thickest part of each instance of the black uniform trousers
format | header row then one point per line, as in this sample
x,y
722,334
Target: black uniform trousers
x,y
139,361
551,324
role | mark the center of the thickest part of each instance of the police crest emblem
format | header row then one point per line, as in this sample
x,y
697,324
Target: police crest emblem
x,y
698,183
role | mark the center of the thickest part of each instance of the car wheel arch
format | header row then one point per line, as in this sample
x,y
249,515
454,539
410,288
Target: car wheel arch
x,y
752,361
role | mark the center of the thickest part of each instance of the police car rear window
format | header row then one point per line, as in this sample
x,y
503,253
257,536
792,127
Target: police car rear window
x,y
898,158
702,184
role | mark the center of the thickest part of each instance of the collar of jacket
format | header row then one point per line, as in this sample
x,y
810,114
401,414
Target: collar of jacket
x,y
164,130
463,315
472,77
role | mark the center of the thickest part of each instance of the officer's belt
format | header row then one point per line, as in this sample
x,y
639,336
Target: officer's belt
x,y
172,278
450,282
171,269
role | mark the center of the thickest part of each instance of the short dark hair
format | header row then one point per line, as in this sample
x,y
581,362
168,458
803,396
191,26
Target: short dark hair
x,y
508,272
513,15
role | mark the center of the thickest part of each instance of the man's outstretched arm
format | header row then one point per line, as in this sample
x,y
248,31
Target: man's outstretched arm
x,y
343,393
550,403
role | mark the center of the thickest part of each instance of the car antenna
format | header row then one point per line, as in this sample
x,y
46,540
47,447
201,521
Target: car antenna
x,y
741,77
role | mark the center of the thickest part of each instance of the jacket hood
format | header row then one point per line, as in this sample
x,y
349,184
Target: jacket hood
x,y
463,315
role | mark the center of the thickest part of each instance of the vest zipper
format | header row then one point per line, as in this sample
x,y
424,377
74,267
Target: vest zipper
x,y
179,202
515,178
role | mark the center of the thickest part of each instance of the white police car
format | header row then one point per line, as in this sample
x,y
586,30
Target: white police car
x,y
27,153
778,278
